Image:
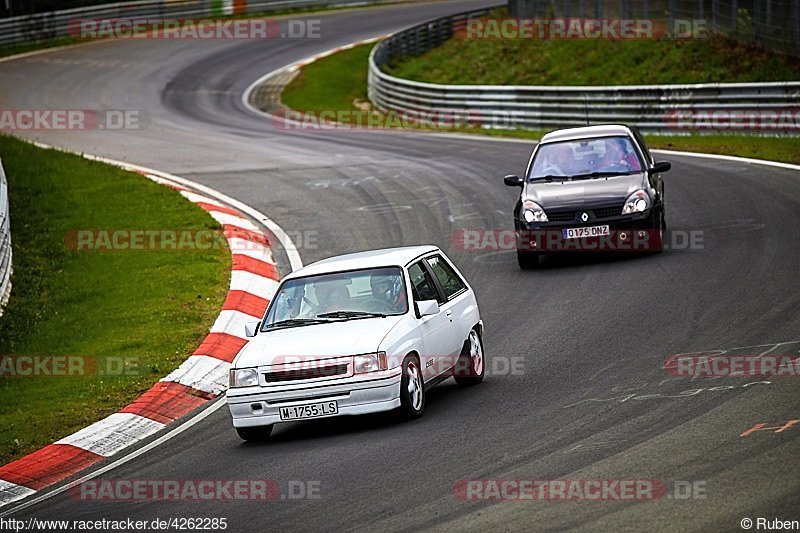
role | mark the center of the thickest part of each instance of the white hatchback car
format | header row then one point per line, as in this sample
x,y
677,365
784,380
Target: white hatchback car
x,y
355,334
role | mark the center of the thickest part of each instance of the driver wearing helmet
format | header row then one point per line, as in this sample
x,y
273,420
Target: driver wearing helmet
x,y
389,290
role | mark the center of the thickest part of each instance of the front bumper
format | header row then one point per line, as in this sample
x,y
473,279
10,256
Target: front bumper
x,y
259,405
631,233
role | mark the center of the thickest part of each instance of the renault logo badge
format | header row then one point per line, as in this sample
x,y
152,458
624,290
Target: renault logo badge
x,y
585,216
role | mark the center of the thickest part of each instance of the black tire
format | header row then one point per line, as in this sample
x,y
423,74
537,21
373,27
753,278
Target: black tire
x,y
255,434
663,229
411,406
469,370
527,260
658,233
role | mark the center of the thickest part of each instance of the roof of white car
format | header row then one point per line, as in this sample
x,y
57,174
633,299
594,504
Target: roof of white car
x,y
370,259
570,134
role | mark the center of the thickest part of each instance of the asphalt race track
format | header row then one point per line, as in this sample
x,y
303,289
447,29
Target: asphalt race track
x,y
576,389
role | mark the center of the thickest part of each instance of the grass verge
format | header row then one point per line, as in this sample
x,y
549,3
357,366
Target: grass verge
x,y
150,308
339,82
717,59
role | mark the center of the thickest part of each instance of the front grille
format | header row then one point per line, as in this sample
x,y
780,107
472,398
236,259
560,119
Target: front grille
x,y
306,373
607,212
569,216
561,216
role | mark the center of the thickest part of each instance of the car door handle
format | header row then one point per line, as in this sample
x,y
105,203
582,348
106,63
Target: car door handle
x,y
449,314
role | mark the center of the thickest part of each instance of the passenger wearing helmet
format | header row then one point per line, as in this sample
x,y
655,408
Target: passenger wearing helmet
x,y
388,289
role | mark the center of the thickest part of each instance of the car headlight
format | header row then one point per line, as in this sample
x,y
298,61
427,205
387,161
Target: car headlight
x,y
532,212
243,377
637,202
371,362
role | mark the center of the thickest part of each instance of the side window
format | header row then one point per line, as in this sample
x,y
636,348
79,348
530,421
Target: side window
x,y
421,283
448,278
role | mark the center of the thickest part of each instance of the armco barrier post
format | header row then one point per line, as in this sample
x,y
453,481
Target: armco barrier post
x,y
5,242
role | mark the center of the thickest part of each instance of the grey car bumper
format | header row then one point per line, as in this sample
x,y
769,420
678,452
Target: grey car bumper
x,y
259,406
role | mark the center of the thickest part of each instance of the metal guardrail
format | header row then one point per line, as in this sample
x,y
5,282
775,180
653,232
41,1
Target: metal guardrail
x,y
51,25
5,242
654,108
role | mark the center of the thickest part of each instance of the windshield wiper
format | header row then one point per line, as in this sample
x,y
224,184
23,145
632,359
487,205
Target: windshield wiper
x,y
590,175
548,177
351,314
295,322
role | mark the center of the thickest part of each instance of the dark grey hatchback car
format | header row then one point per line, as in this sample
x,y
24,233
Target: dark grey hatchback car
x,y
594,188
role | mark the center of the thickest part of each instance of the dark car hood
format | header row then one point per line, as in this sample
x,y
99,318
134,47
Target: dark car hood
x,y
580,193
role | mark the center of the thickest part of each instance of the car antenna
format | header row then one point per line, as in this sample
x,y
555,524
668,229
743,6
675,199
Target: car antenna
x,y
586,107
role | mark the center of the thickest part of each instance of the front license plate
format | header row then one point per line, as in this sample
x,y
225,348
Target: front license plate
x,y
591,231
311,410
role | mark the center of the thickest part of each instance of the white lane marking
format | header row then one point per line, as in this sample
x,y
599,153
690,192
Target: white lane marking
x,y
202,372
198,198
122,460
734,158
232,323
702,155
11,492
113,433
233,220
241,280
252,249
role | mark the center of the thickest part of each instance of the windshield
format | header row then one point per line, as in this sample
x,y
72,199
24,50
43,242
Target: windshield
x,y
338,296
585,157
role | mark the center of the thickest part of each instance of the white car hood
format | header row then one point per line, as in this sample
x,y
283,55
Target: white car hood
x,y
317,341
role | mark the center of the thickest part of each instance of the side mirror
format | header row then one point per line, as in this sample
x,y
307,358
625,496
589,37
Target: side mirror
x,y
251,328
513,180
660,166
427,308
